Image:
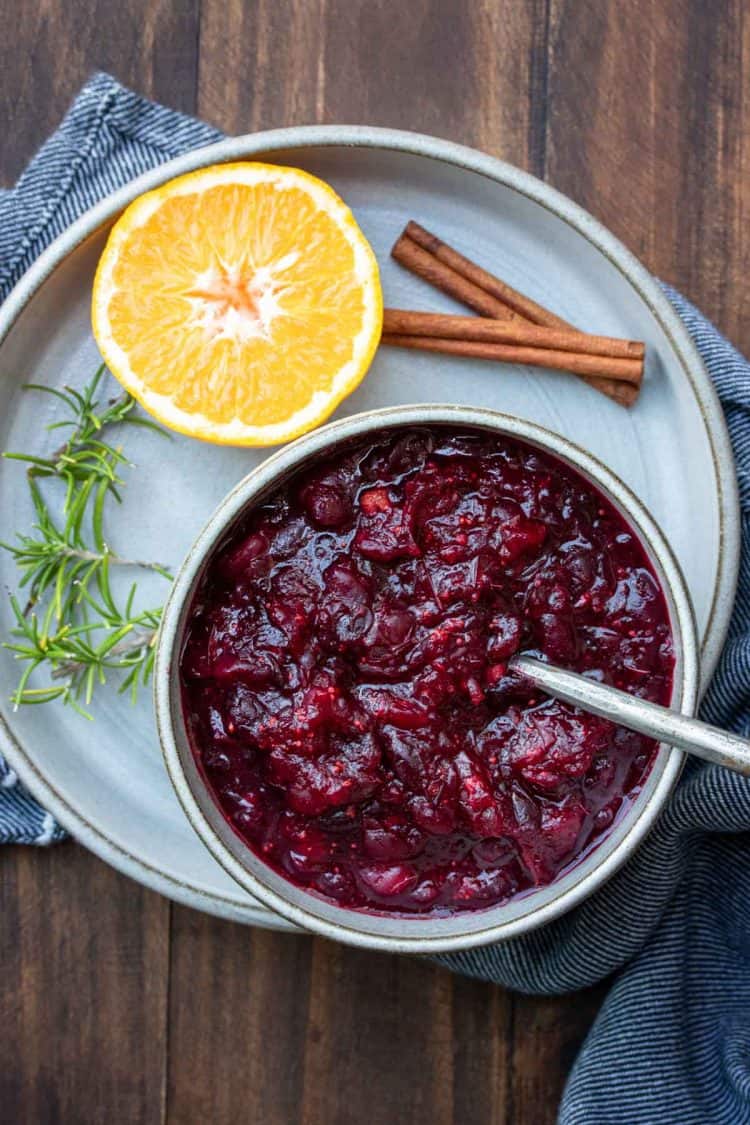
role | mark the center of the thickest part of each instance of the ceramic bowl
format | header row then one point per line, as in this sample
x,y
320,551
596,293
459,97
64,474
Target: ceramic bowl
x,y
399,933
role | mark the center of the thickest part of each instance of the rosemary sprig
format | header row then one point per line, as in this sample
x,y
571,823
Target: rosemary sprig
x,y
84,455
80,659
72,623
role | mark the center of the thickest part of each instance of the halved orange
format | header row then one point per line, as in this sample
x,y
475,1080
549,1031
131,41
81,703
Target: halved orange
x,y
239,304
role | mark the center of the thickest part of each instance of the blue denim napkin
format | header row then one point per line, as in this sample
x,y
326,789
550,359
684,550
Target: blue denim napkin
x,y
672,1042
109,137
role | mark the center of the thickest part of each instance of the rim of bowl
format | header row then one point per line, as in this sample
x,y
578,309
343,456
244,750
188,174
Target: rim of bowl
x,y
400,933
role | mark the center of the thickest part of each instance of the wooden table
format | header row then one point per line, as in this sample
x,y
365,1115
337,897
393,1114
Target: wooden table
x,y
116,1006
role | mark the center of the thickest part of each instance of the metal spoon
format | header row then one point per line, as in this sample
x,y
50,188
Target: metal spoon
x,y
661,723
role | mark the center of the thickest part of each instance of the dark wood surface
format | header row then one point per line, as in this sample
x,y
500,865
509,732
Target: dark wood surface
x,y
116,1006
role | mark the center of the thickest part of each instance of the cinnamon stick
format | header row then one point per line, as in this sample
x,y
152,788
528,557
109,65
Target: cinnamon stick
x,y
448,280
517,302
623,374
516,333
463,286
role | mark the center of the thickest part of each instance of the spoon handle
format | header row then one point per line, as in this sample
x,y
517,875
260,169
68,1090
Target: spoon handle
x,y
661,723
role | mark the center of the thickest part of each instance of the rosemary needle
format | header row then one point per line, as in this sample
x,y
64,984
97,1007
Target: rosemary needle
x,y
72,624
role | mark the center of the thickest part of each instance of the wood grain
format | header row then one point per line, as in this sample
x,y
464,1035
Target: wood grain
x,y
547,1035
649,129
49,48
468,72
379,1045
239,1010
83,991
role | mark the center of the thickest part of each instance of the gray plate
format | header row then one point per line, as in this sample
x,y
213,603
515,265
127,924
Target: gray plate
x,y
105,780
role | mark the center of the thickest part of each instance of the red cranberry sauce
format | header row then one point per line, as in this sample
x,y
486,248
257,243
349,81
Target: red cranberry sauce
x,y
345,671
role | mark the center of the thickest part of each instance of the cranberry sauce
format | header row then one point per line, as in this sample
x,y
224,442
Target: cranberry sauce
x,y
345,674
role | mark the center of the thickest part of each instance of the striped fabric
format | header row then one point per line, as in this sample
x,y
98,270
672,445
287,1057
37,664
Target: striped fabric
x,y
672,1043
109,137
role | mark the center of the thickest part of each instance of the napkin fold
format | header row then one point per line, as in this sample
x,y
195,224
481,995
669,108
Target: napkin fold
x,y
672,1041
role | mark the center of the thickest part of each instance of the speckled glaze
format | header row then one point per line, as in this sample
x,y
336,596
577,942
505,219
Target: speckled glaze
x,y
426,934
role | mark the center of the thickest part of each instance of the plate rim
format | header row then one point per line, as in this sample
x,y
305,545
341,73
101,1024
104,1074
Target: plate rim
x,y
242,908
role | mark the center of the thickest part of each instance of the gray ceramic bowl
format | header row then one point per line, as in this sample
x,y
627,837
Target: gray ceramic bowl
x,y
420,934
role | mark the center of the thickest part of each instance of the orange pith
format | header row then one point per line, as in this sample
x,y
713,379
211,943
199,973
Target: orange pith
x,y
239,303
